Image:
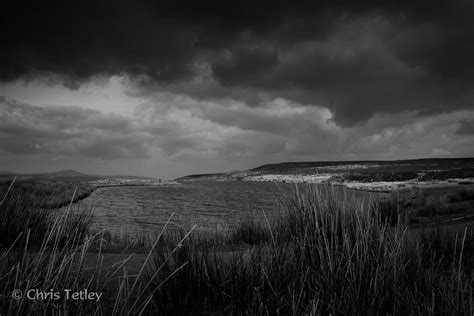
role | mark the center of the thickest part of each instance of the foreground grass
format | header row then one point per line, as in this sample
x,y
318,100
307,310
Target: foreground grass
x,y
46,254
326,254
59,266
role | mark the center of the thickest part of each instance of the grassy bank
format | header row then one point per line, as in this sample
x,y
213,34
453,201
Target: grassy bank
x,y
327,253
47,194
417,206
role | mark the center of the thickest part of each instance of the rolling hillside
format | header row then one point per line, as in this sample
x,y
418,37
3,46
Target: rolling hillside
x,y
364,171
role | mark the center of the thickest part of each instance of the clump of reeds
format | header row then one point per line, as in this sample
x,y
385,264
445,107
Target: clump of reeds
x,y
329,255
54,260
249,232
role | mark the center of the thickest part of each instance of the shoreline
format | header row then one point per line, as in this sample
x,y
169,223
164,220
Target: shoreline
x,y
326,179
91,187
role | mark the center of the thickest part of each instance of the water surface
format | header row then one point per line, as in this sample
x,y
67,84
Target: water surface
x,y
210,205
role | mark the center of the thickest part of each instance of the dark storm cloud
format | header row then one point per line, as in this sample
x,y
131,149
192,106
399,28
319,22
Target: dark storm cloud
x,y
246,66
83,38
356,57
354,78
466,127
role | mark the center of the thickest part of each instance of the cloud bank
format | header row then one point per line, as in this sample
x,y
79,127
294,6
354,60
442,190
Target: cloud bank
x,y
211,85
357,59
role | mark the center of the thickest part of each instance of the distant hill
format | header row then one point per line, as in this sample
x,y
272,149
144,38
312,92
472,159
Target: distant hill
x,y
63,176
63,173
125,177
454,167
206,176
203,175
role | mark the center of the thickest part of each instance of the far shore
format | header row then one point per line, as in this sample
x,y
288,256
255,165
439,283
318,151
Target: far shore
x,y
332,179
130,182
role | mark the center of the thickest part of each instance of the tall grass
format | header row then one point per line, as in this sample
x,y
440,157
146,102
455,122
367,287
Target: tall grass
x,y
20,213
56,268
53,259
329,255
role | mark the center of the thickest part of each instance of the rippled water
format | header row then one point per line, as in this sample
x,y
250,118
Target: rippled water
x,y
209,204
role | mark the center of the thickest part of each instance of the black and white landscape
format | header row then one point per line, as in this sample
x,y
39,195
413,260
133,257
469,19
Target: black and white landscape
x,y
237,158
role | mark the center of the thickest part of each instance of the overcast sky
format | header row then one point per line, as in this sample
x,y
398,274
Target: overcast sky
x,y
169,88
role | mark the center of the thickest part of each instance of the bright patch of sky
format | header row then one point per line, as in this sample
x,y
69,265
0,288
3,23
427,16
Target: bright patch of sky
x,y
109,95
